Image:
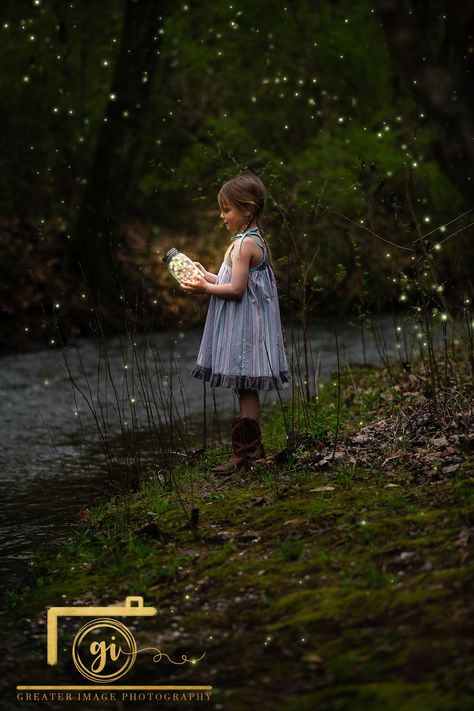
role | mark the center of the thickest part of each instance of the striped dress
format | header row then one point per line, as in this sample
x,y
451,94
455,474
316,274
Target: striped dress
x,y
242,344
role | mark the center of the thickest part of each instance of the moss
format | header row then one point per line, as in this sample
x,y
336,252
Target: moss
x,y
391,696
344,594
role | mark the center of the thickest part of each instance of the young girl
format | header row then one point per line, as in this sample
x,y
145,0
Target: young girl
x,y
242,344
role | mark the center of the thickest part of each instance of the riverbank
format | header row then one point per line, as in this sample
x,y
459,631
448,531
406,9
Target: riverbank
x,y
336,576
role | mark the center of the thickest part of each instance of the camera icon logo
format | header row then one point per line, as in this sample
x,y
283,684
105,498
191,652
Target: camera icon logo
x,y
104,649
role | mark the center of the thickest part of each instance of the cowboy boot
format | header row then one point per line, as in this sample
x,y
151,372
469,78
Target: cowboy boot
x,y
235,459
253,440
246,444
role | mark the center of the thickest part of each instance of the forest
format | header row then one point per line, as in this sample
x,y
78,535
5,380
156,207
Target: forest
x,y
119,129
328,563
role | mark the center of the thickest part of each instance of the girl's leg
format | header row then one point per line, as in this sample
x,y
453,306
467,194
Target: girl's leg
x,y
249,404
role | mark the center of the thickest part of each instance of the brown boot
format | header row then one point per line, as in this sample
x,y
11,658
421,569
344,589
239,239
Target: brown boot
x,y
246,445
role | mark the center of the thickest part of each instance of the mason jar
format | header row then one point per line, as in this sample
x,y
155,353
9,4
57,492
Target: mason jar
x,y
180,266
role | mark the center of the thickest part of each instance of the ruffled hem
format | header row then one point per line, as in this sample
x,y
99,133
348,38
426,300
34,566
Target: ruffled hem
x,y
242,382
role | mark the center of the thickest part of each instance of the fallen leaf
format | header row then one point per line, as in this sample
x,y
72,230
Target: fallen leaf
x,y
450,469
360,438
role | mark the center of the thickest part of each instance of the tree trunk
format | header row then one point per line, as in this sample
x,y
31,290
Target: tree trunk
x,y
447,99
104,202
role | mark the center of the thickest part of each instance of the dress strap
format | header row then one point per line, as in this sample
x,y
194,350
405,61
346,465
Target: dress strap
x,y
250,233
254,239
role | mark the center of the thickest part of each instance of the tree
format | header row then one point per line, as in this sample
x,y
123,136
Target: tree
x,y
442,86
104,204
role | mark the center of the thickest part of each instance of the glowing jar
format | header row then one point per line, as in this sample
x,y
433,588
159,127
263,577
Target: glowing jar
x,y
180,266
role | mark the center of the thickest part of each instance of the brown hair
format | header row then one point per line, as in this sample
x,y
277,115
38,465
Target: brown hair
x,y
246,192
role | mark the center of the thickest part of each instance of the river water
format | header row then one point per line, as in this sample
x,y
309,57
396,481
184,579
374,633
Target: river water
x,y
47,475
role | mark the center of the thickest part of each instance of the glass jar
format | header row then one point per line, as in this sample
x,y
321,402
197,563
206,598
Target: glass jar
x,y
180,266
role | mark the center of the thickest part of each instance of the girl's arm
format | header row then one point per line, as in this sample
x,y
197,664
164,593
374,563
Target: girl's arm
x,y
208,276
238,284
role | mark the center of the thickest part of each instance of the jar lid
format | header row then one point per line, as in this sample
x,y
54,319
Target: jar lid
x,y
170,254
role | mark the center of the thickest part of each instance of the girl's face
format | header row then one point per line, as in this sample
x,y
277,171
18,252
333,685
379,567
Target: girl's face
x,y
233,218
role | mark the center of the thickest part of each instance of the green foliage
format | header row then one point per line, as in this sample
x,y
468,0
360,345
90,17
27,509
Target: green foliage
x,y
309,98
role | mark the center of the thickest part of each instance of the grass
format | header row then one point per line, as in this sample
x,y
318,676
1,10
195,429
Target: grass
x,y
343,586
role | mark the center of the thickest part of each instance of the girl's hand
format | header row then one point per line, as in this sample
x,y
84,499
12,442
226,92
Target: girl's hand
x,y
195,285
201,268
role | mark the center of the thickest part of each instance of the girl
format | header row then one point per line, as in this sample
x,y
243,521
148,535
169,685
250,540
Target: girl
x,y
242,344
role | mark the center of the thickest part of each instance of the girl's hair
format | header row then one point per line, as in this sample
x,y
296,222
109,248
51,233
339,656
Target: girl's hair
x,y
247,192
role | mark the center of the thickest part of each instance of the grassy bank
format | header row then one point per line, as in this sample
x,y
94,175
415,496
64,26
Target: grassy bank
x,y
336,576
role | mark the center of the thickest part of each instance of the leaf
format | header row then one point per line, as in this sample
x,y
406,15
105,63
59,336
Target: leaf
x,y
451,468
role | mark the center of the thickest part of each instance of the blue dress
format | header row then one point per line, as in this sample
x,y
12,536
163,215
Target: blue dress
x,y
242,344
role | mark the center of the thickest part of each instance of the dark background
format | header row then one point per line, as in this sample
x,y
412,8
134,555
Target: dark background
x,y
121,119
